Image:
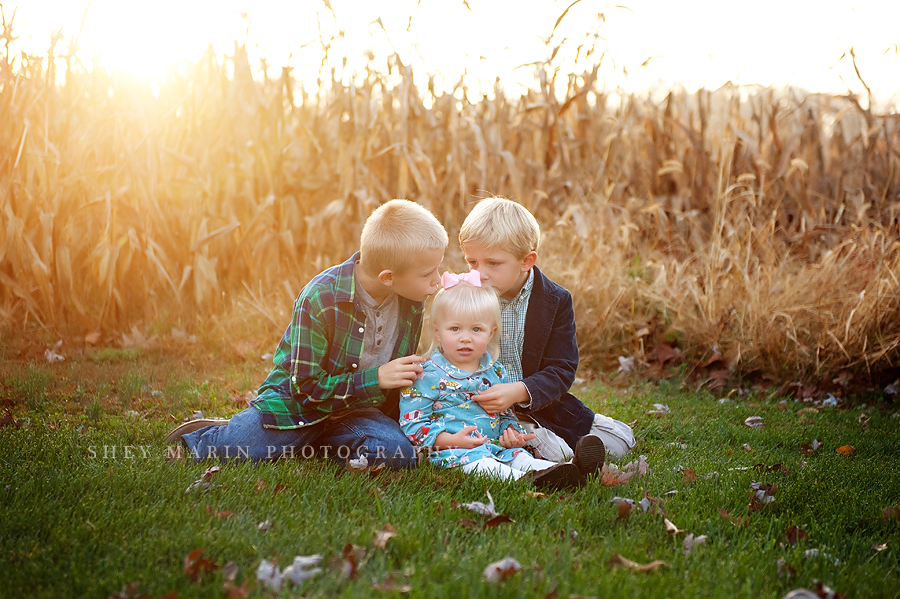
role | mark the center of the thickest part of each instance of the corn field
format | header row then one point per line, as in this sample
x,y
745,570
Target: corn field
x,y
753,225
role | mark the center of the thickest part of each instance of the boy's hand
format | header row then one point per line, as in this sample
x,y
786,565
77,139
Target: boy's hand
x,y
460,440
511,437
501,397
401,372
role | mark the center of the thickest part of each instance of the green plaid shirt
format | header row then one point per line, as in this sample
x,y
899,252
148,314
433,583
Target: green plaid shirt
x,y
316,371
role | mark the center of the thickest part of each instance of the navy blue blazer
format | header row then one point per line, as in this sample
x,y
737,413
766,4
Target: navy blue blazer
x,y
549,361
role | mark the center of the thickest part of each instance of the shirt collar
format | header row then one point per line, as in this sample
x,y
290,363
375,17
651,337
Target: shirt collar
x,y
458,373
524,292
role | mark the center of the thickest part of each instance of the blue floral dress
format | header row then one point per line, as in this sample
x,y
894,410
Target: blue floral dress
x,y
441,401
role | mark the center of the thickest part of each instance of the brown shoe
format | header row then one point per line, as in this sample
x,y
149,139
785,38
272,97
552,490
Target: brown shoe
x,y
191,426
590,454
560,476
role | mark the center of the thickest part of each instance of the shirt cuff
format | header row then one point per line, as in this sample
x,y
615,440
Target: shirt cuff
x,y
526,406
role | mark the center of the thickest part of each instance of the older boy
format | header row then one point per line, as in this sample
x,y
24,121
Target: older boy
x,y
500,239
344,355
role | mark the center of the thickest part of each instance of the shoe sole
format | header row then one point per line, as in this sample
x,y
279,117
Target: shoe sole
x,y
590,453
555,478
191,426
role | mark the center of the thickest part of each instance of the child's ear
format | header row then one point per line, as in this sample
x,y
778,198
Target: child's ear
x,y
386,278
529,260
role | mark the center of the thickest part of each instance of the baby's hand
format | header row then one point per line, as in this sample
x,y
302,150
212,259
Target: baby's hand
x,y
511,437
460,440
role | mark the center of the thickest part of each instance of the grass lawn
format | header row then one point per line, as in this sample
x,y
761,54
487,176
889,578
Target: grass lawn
x,y
78,521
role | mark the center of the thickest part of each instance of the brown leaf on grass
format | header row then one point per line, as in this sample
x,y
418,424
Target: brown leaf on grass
x,y
229,571
648,503
755,422
92,338
536,494
260,485
864,420
497,521
8,420
890,513
203,483
671,528
761,495
384,535
794,535
663,353
625,506
454,504
618,560
279,487
237,592
689,475
348,564
502,570
878,548
467,523
264,526
805,411
195,566
611,478
808,450
130,591
845,449
735,521
782,405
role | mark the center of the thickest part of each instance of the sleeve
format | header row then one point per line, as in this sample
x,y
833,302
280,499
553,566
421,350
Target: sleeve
x,y
416,412
312,333
560,361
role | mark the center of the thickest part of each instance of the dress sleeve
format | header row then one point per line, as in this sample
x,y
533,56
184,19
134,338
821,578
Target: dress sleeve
x,y
507,417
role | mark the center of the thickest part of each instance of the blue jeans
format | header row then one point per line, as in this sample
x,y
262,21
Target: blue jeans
x,y
365,432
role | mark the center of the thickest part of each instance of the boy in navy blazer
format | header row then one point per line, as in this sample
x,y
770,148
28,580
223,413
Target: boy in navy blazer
x,y
500,239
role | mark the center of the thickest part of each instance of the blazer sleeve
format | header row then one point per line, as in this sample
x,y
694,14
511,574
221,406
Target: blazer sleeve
x,y
507,417
556,372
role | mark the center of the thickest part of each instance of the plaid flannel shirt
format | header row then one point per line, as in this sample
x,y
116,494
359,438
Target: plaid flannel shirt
x,y
316,371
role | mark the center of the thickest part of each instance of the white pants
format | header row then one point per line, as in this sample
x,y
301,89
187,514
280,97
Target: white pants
x,y
515,470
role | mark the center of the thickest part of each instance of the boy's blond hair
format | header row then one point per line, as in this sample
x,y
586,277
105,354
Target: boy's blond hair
x,y
464,300
501,223
395,234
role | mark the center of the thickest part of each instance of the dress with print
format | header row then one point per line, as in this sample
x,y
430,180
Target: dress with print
x,y
442,401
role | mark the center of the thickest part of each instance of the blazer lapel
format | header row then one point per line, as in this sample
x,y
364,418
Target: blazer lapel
x,y
538,323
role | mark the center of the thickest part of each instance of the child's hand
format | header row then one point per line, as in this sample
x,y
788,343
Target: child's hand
x,y
460,440
511,437
401,372
502,396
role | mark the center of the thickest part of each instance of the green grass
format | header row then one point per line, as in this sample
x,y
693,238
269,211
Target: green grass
x,y
80,522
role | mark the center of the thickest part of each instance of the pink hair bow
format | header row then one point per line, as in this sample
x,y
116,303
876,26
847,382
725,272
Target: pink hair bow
x,y
473,277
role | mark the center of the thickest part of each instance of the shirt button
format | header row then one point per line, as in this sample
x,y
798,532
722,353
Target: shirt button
x,y
293,378
354,365
361,330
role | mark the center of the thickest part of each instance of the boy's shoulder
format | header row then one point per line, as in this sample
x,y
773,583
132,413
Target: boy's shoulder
x,y
335,283
545,288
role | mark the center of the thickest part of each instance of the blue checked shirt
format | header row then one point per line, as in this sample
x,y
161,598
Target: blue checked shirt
x,y
316,372
512,339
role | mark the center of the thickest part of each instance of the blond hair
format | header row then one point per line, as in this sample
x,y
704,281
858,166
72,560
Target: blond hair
x,y
395,234
465,300
501,223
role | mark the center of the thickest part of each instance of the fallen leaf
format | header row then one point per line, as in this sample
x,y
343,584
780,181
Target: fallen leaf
x,y
890,513
279,487
229,571
483,509
535,494
496,521
302,569
384,535
663,353
640,466
611,478
237,592
264,526
659,410
689,475
270,575
92,338
203,483
502,570
845,449
794,535
618,560
690,541
625,506
754,422
761,495
881,547
671,528
467,523
195,566
260,485
746,447
808,411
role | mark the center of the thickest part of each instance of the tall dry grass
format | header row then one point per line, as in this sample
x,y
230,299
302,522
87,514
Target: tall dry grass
x,y
763,223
